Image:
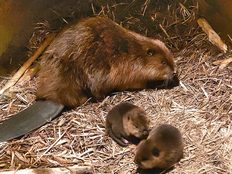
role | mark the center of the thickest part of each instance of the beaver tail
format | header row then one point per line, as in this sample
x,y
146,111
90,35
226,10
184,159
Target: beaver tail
x,y
29,119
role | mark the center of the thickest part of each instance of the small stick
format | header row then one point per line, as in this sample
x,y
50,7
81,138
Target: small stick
x,y
20,72
58,139
213,37
223,63
58,170
165,32
27,76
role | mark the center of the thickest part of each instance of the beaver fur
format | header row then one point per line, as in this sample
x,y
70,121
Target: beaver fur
x,y
95,57
162,148
127,122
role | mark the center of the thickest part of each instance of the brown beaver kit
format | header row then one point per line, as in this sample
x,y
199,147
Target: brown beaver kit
x,y
127,122
97,56
162,148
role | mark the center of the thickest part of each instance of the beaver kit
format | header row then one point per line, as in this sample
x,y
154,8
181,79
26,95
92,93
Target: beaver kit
x,y
91,59
127,122
162,148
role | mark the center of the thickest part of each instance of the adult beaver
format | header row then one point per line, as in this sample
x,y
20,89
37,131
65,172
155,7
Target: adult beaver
x,y
93,58
97,56
127,122
162,148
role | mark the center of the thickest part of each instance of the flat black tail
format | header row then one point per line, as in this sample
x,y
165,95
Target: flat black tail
x,y
29,119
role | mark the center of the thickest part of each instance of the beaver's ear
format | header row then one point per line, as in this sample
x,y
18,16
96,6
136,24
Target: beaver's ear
x,y
155,152
150,52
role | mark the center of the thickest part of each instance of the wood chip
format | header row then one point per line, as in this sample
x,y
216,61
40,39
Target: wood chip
x,y
223,63
214,38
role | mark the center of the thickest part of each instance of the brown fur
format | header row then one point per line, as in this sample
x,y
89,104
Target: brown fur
x,y
162,148
127,121
96,57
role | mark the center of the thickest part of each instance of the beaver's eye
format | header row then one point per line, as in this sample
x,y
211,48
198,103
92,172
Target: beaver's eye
x,y
136,126
155,152
163,62
150,52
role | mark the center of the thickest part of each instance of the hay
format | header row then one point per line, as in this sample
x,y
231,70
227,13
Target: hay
x,y
200,107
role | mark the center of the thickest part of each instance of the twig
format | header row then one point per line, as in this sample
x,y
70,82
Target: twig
x,y
223,63
165,32
20,72
213,37
58,139
60,170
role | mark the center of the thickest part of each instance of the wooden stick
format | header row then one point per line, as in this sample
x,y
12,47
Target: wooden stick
x,y
212,35
165,32
223,63
20,72
75,169
58,139
29,74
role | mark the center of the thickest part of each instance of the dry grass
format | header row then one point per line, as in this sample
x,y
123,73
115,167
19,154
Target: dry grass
x,y
200,107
